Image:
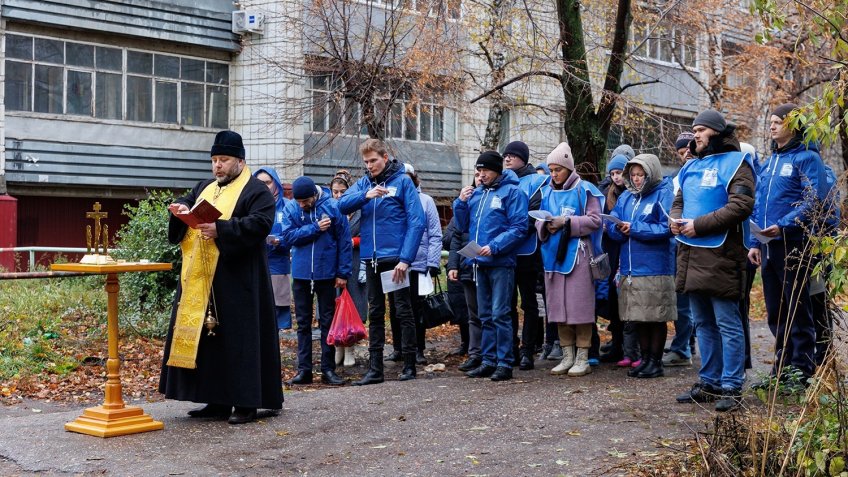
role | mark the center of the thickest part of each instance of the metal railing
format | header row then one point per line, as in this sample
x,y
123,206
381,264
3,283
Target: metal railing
x,y
33,250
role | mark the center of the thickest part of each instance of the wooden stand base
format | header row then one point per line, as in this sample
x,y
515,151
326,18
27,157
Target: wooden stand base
x,y
101,422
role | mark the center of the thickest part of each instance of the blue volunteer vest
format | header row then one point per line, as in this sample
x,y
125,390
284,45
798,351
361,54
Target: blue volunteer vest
x,y
704,184
530,184
567,203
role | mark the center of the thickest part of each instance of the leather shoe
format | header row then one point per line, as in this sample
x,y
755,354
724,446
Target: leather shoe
x,y
211,410
302,377
700,393
330,377
242,415
394,356
471,363
526,362
482,371
420,358
502,373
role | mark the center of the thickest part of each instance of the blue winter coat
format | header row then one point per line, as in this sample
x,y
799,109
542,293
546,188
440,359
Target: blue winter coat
x,y
789,187
495,216
392,225
649,249
318,255
430,250
279,262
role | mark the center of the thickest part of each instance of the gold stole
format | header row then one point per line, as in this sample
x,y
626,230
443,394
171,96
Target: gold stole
x,y
200,258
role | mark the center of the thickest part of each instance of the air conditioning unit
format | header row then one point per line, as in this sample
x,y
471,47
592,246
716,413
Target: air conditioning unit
x,y
246,21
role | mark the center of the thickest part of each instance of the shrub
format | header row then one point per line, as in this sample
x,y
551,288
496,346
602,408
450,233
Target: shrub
x,y
146,298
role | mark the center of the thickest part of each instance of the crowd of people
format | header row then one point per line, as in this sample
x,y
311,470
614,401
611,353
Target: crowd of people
x,y
638,250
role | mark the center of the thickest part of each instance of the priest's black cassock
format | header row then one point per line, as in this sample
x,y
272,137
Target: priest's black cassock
x,y
240,364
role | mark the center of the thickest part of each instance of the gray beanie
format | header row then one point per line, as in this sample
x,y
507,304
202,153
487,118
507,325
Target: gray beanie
x,y
711,119
624,150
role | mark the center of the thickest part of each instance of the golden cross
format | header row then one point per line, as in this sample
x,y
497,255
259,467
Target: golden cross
x,y
96,215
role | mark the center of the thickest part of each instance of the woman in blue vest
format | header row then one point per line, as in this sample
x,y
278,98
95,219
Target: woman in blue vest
x,y
279,261
646,264
569,239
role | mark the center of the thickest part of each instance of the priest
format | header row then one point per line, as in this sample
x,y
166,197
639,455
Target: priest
x,y
222,347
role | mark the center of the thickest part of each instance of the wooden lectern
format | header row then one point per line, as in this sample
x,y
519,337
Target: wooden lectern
x,y
113,417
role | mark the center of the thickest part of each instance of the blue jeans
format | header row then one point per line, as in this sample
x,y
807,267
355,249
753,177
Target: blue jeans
x,y
494,300
682,327
722,340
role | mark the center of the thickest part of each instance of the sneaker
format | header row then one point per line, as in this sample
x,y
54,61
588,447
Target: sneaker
x,y
700,393
636,363
673,358
482,371
471,363
556,352
502,373
593,362
624,363
730,399
546,350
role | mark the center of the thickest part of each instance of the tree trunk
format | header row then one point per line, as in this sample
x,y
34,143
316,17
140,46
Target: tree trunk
x,y
843,142
496,111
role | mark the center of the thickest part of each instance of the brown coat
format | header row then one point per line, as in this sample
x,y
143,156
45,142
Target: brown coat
x,y
720,271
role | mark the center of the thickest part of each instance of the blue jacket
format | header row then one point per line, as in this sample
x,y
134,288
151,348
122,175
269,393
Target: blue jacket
x,y
279,262
430,250
392,225
495,216
318,255
789,187
649,249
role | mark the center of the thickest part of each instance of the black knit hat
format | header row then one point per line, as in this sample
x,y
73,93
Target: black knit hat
x,y
228,143
784,109
518,149
490,160
711,119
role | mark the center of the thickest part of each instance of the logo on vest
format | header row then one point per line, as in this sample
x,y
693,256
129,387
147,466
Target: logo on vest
x,y
710,178
392,191
648,209
279,216
786,170
566,211
496,203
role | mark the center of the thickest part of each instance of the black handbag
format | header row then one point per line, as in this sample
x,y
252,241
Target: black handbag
x,y
437,310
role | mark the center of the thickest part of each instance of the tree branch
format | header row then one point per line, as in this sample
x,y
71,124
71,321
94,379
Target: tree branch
x,y
520,77
640,83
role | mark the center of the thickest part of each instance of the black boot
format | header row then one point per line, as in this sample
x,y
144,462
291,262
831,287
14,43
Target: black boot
x,y
375,369
638,369
408,367
654,369
394,356
420,358
526,362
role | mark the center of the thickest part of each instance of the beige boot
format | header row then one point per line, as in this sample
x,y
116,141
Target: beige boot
x,y
581,363
567,361
349,358
340,355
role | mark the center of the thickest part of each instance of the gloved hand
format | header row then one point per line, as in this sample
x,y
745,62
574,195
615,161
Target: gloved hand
x,y
434,271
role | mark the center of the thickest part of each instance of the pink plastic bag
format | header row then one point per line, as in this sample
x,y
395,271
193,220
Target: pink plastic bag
x,y
347,327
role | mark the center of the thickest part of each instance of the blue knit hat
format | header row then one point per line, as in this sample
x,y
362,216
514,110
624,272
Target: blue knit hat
x,y
616,163
303,188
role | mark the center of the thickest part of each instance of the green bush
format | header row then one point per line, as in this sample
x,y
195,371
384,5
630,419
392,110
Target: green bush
x,y
146,298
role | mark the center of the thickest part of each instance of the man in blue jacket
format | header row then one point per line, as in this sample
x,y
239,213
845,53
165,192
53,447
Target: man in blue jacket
x,y
279,262
495,215
392,224
790,190
319,237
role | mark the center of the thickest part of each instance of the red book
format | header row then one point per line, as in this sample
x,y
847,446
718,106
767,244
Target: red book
x,y
202,213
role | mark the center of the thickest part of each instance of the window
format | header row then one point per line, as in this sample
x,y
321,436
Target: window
x,y
674,46
48,75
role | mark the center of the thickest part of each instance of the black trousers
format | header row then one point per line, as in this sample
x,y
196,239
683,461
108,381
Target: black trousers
x,y
303,292
417,308
526,274
402,303
786,288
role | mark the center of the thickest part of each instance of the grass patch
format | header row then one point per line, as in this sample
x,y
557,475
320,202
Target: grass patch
x,y
43,321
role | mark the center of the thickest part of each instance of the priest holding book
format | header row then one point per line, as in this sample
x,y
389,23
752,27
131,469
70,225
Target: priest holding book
x,y
222,348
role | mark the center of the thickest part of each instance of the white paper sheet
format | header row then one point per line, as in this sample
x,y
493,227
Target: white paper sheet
x,y
471,250
390,286
757,232
425,285
612,219
542,215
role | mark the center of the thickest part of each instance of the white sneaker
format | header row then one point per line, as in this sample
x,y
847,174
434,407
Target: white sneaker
x,y
340,355
349,358
581,363
567,361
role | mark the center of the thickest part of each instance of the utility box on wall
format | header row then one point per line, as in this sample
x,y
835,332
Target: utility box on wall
x,y
8,230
